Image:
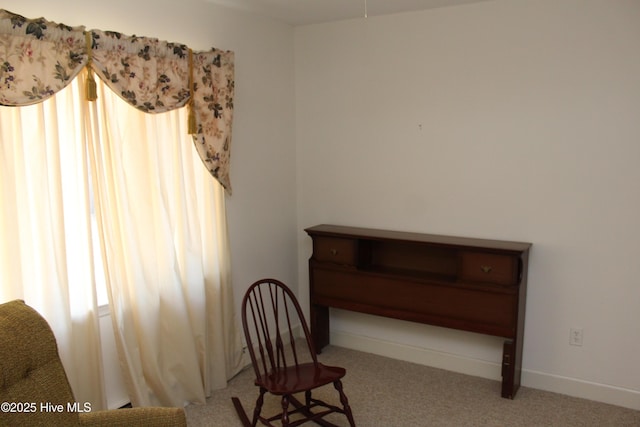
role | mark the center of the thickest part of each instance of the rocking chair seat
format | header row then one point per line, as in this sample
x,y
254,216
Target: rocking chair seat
x,y
295,379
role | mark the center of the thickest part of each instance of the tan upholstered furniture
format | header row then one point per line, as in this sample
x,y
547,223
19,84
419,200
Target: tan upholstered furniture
x,y
31,373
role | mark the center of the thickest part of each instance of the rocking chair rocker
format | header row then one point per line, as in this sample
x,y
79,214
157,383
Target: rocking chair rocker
x,y
270,312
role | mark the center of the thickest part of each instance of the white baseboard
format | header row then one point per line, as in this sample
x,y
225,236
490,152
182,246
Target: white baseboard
x,y
480,368
584,389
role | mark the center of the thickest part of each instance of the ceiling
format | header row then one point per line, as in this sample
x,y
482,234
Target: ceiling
x,y
303,12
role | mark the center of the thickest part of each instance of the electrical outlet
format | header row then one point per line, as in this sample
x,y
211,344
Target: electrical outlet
x,y
575,337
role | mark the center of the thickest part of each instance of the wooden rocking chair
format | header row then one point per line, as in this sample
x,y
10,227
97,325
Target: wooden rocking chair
x,y
270,312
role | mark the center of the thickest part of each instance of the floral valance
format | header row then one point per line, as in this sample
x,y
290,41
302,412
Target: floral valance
x,y
38,58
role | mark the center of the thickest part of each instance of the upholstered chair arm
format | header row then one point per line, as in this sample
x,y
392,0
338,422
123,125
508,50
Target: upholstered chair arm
x,y
143,417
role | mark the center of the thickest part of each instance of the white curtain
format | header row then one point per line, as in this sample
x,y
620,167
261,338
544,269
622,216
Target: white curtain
x,y
165,243
45,230
162,231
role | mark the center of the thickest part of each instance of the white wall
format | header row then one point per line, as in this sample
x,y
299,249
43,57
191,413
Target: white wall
x,y
262,210
506,119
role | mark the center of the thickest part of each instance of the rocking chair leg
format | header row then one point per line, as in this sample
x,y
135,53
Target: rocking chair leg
x,y
345,403
285,411
241,412
258,409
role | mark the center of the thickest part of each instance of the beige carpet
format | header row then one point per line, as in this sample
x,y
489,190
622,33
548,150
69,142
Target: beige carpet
x,y
385,392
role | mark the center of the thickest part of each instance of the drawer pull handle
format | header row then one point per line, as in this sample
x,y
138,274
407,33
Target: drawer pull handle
x,y
486,268
334,252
